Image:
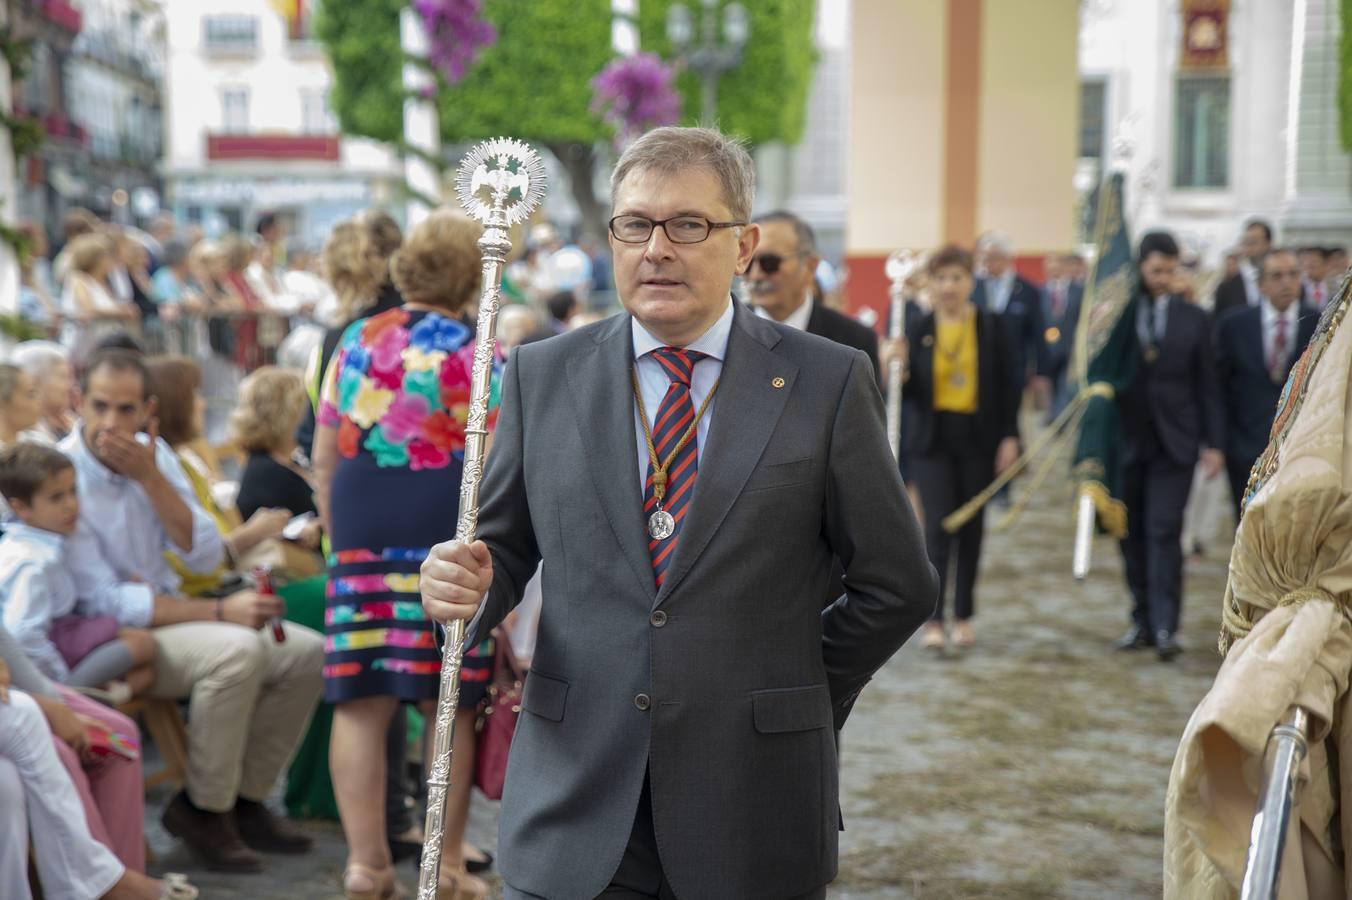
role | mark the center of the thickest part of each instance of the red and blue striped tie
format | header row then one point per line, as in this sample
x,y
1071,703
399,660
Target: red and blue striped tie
x,y
674,416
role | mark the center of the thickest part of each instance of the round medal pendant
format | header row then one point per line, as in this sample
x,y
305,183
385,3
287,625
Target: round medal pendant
x,y
661,525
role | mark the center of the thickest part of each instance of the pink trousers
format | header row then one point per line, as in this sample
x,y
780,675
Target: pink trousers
x,y
111,789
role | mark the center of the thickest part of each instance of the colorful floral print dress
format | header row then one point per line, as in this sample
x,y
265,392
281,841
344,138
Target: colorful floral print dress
x,y
397,390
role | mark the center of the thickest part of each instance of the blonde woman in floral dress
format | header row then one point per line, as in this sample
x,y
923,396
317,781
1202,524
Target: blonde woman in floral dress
x,y
388,455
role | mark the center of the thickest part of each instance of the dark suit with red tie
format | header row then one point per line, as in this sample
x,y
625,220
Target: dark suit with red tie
x,y
1251,382
677,722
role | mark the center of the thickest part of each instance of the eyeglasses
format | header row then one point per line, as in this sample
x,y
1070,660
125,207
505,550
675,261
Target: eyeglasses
x,y
769,262
679,229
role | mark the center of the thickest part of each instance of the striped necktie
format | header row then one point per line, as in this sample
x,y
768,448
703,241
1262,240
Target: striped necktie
x,y
674,416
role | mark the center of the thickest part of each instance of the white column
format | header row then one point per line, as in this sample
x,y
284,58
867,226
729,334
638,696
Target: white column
x,y
9,265
624,38
421,129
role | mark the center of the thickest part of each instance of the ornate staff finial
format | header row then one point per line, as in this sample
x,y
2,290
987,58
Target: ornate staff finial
x,y
502,166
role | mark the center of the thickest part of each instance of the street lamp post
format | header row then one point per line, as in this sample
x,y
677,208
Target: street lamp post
x,y
715,53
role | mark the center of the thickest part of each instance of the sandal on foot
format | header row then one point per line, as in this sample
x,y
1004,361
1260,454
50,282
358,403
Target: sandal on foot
x,y
372,884
175,886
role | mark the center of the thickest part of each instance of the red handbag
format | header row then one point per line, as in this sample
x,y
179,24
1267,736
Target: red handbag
x,y
497,722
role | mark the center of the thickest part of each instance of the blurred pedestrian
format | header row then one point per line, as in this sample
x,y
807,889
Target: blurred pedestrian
x,y
1241,289
90,310
963,380
1171,417
48,364
1062,298
1256,348
782,285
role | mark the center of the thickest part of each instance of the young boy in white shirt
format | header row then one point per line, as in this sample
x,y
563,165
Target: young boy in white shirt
x,y
37,594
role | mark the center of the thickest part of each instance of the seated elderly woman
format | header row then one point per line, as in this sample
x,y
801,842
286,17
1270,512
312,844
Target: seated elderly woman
x,y
48,364
175,382
271,404
18,403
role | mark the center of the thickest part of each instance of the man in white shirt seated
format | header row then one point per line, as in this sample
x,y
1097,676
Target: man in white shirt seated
x,y
251,697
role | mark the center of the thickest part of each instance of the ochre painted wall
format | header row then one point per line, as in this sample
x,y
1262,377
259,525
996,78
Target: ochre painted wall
x,y
964,118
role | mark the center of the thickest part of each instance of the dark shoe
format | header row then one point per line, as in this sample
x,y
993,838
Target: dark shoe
x,y
212,836
1166,646
1136,638
401,850
263,831
479,866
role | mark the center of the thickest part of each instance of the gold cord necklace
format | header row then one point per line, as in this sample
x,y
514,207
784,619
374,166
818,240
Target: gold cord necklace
x,y
661,524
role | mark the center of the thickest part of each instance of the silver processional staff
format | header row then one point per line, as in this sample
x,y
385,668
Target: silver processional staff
x,y
899,267
512,177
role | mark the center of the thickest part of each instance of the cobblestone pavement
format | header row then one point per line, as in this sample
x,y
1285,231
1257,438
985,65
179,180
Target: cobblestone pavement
x,y
1034,766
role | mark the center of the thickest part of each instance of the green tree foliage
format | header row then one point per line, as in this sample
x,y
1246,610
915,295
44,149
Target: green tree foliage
x,y
361,38
535,82
765,98
1345,81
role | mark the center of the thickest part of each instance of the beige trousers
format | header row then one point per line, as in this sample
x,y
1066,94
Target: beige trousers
x,y
250,700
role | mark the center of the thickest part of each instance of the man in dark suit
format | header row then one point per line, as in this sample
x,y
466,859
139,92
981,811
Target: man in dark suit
x,y
676,729
781,281
1016,300
1241,289
1256,347
1061,300
1171,413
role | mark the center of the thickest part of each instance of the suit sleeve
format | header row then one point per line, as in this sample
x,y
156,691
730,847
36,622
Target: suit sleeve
x,y
869,338
1208,389
1012,380
1037,335
890,586
1224,363
504,511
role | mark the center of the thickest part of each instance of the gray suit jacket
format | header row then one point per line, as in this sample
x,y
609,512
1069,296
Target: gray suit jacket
x,y
724,686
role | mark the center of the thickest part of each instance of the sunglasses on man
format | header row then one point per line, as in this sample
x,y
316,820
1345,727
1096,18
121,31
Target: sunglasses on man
x,y
769,262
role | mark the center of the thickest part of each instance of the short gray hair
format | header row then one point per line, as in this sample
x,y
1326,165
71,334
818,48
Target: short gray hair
x,y
806,237
672,149
997,241
37,358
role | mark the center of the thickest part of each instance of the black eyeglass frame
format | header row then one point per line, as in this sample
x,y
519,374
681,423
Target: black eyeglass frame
x,y
654,224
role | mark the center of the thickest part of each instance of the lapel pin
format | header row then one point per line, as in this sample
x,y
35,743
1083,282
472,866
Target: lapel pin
x,y
928,340
777,382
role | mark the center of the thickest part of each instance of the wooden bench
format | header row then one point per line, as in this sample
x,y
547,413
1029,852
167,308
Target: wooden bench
x,y
165,724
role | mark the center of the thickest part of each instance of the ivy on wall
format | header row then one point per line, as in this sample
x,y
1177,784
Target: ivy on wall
x,y
25,135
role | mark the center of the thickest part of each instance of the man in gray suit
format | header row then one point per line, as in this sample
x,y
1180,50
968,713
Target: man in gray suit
x,y
677,737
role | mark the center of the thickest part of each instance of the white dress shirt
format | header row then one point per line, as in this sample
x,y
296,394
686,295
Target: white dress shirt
x,y
120,539
797,319
1161,310
35,589
653,381
1270,318
999,290
1249,273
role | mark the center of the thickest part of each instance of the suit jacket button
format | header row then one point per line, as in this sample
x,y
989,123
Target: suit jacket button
x,y
642,702
658,619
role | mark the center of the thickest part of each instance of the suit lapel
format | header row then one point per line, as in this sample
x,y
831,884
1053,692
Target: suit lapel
x,y
745,412
603,405
1254,339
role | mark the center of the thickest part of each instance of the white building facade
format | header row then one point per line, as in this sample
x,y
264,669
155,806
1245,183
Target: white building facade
x,y
248,128
1210,145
